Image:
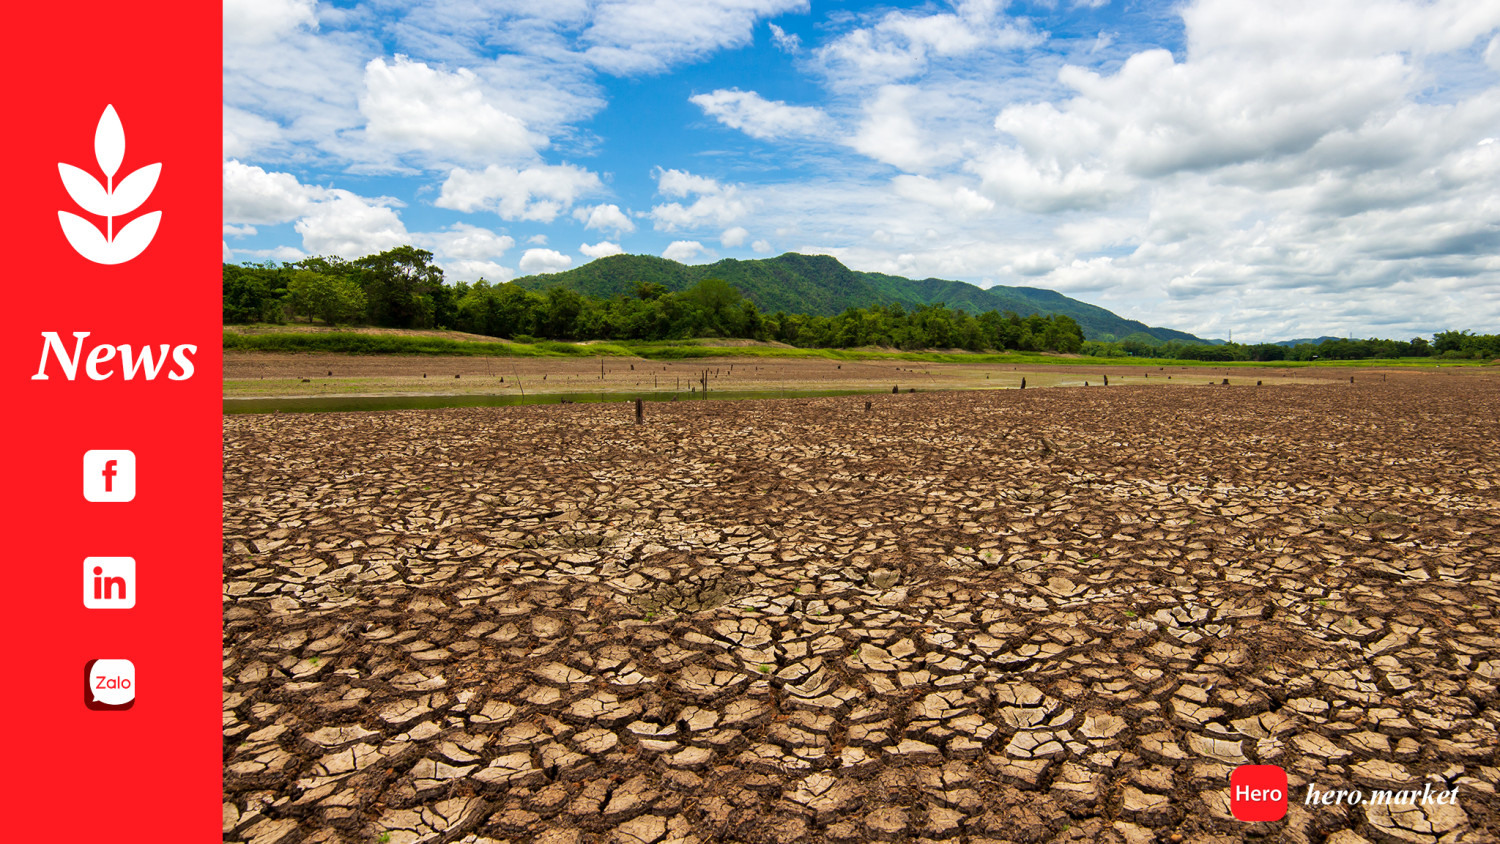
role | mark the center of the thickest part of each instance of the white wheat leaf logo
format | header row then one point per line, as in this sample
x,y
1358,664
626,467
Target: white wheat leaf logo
x,y
109,200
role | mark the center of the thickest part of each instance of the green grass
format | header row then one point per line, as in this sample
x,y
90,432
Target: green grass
x,y
355,342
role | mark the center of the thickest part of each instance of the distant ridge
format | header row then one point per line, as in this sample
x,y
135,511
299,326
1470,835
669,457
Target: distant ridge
x,y
1305,341
821,285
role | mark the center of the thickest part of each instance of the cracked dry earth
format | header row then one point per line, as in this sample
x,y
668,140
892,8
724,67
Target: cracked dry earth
x,y
1058,615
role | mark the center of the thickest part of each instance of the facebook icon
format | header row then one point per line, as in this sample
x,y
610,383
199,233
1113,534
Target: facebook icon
x,y
109,475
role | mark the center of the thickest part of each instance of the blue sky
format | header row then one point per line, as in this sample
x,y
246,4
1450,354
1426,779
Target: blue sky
x,y
1276,169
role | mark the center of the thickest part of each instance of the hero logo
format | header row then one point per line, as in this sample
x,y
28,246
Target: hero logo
x,y
109,200
99,365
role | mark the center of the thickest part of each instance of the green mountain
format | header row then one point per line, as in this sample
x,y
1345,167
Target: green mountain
x,y
819,284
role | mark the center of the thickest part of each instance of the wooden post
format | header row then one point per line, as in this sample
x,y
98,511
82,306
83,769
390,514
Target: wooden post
x,y
640,412
1106,380
1023,383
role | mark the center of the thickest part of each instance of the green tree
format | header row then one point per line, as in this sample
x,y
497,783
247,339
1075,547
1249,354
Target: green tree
x,y
331,298
715,304
254,292
403,288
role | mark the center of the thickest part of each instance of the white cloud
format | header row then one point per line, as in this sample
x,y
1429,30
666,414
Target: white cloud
x,y
290,92
889,134
761,246
410,106
759,117
946,194
330,221
245,133
1492,53
605,218
260,21
902,43
466,242
647,36
544,261
467,252
734,237
786,42
681,183
351,226
1044,185
279,253
718,204
686,251
537,240
599,250
252,195
535,193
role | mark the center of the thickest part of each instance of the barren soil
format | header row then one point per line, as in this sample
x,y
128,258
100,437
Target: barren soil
x,y
248,374
1055,615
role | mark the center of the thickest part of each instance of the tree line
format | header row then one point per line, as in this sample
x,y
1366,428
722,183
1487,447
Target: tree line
x,y
1445,345
401,288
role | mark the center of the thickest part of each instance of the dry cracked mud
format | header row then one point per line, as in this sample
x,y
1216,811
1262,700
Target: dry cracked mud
x,y
1042,616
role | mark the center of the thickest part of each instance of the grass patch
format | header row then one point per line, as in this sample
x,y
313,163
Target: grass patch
x,y
355,342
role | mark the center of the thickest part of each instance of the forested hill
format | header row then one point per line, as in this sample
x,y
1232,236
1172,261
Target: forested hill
x,y
820,285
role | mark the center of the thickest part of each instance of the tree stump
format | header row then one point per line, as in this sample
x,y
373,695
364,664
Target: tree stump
x,y
640,412
895,389
1023,383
